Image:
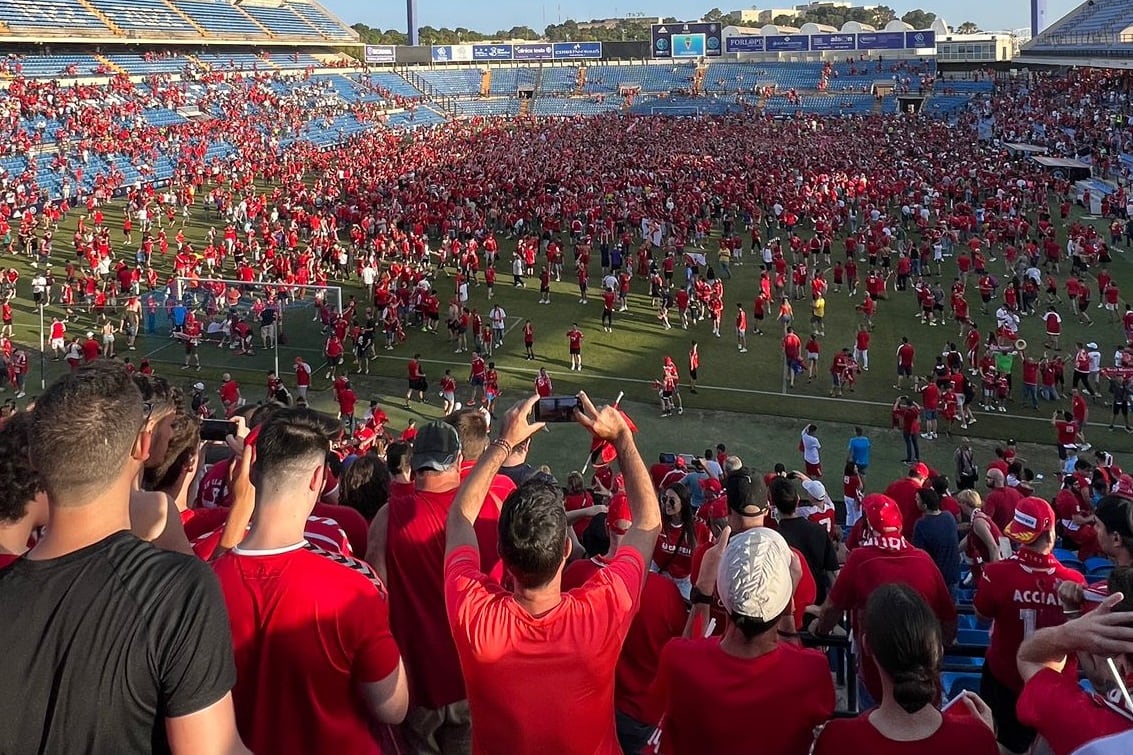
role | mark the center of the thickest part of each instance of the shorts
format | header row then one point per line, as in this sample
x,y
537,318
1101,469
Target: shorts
x,y
476,381
666,394
813,470
904,370
58,343
811,357
418,384
575,351
1002,699
449,397
692,374
929,414
334,361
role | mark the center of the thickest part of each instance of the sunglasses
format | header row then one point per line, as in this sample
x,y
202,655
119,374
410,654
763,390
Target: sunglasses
x,y
670,499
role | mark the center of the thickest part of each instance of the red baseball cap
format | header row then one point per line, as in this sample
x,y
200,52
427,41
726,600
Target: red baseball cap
x,y
1033,517
920,469
882,514
1124,486
711,485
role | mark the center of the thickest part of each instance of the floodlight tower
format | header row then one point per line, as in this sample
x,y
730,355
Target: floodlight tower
x,y
411,20
1038,17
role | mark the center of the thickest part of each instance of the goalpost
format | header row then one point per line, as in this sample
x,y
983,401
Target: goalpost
x,y
242,296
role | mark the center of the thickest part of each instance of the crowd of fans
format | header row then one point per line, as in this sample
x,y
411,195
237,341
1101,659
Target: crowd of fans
x,y
277,590
293,586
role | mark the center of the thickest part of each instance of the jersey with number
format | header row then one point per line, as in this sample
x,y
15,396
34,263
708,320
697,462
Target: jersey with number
x,y
1020,595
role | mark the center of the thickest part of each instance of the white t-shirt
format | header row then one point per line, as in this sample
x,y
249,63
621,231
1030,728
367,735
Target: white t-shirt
x,y
810,448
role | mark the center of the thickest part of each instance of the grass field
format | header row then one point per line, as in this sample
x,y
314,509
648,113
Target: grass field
x,y
741,399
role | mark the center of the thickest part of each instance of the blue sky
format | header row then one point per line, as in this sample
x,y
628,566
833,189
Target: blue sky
x,y
503,14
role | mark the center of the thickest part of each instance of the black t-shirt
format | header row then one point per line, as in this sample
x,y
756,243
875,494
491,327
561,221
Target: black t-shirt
x,y
811,540
105,643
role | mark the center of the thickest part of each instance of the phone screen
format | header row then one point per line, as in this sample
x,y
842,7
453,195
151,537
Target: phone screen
x,y
556,409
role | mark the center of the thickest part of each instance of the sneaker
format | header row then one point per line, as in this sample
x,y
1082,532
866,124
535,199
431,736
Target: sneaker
x,y
184,366
21,394
681,410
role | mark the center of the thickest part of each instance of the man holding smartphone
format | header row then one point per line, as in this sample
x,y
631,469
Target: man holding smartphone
x,y
506,669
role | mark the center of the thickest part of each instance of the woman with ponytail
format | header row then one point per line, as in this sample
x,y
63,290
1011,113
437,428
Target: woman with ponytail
x,y
904,639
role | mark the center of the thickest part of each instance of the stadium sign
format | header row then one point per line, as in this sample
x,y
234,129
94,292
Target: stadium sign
x,y
381,54
819,42
882,40
748,43
452,53
788,43
577,50
920,39
534,51
686,40
492,52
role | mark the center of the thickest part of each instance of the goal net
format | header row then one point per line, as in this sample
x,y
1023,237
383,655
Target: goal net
x,y
294,325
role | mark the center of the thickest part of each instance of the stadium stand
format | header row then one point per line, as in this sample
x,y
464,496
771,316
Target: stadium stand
x,y
222,19
282,21
1091,23
51,17
153,16
320,19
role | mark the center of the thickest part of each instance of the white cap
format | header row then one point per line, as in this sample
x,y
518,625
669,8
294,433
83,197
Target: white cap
x,y
198,386
90,334
1091,345
815,489
755,575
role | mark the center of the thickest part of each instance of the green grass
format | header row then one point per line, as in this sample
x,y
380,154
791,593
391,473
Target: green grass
x,y
741,397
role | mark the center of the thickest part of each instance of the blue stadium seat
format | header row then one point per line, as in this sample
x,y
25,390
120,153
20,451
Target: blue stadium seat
x,y
282,21
1098,562
973,636
220,18
144,15
953,683
1099,574
316,17
52,14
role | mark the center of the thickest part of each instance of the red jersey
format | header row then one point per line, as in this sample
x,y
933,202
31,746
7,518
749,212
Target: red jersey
x,y
306,630
673,552
415,559
1020,595
508,656
1072,720
869,567
574,339
956,734
543,386
302,374
414,368
782,695
905,353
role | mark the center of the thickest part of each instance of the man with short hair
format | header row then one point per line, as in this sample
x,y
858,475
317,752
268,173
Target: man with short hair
x,y
317,664
1020,595
577,635
146,620
809,539
904,492
749,678
1001,501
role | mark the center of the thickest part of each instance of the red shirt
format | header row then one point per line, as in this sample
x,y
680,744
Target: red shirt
x,y
414,369
229,392
904,492
905,354
302,374
90,350
575,339
508,657
1070,719
1000,505
306,631
543,386
660,618
869,567
716,703
415,546
805,593
673,552
1067,432
1020,595
957,734
319,531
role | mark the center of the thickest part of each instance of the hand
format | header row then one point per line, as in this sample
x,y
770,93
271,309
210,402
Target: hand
x,y
978,708
596,510
1101,631
606,423
710,564
240,476
516,428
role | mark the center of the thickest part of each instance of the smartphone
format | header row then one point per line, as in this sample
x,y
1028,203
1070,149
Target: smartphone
x,y
556,409
667,458
217,429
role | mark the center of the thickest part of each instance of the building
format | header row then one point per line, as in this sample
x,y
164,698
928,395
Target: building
x,y
984,47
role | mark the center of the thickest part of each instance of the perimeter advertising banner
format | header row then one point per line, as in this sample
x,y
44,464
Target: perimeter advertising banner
x,y
882,40
820,42
452,53
788,43
686,40
381,54
577,50
749,43
534,51
491,52
918,40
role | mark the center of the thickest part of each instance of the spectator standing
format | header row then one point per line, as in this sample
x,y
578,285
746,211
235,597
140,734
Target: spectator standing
x,y
1020,596
967,471
810,447
147,620
883,557
907,415
810,539
906,644
750,675
904,492
316,663
984,543
860,451
1001,499
511,643
936,534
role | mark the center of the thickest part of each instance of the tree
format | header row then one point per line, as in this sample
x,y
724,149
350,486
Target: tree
x,y
881,15
713,15
919,19
968,27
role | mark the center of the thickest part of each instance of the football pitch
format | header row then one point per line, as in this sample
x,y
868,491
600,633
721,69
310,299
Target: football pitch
x,y
741,400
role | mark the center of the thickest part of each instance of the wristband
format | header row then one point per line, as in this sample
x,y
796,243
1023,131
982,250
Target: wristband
x,y
697,597
788,634
501,443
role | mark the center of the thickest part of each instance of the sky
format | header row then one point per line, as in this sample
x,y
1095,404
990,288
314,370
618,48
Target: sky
x,y
504,14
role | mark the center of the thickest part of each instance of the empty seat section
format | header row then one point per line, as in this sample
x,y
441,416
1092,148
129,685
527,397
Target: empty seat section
x,y
220,18
320,20
58,15
137,64
392,83
282,21
558,79
458,82
144,15
51,66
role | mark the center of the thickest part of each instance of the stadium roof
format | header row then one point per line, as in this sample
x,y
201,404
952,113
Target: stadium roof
x,y
1097,33
173,22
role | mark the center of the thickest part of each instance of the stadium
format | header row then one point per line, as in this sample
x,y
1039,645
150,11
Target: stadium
x,y
764,241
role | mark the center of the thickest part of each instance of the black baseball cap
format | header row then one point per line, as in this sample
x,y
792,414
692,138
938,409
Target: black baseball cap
x,y
435,447
747,495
